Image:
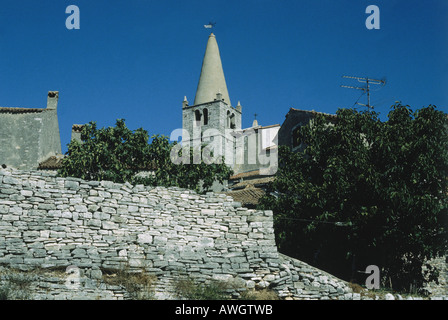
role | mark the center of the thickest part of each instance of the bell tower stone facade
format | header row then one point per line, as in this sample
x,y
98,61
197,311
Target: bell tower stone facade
x,y
212,119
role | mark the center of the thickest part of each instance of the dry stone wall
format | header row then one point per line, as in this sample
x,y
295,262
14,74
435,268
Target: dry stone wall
x,y
49,224
52,223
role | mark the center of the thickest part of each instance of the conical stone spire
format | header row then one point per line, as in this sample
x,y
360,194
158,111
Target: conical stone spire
x,y
212,80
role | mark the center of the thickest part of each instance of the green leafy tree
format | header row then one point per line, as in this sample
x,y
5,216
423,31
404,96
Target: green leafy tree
x,y
118,154
365,192
190,173
112,153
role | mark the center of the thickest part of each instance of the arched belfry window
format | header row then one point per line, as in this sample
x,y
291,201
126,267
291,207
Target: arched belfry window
x,y
197,117
205,113
232,121
228,119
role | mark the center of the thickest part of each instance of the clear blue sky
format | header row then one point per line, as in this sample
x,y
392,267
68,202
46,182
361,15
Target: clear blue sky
x,y
137,59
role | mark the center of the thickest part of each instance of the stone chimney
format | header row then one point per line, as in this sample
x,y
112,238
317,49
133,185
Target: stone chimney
x,y
52,100
76,132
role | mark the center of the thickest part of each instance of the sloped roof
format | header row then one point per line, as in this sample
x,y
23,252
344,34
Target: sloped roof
x,y
270,126
261,127
20,110
253,182
245,174
247,196
311,112
52,163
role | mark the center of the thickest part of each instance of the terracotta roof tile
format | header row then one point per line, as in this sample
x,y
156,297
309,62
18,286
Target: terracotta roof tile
x,y
52,163
77,127
252,182
247,196
245,174
21,110
270,126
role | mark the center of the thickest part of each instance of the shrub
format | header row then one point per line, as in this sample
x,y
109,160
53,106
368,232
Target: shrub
x,y
191,289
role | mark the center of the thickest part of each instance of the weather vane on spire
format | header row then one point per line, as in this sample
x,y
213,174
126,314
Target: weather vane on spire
x,y
210,25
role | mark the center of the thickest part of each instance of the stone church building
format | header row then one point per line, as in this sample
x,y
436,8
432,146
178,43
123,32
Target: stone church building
x,y
30,139
214,120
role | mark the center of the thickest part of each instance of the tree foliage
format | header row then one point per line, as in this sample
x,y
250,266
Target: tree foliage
x,y
118,154
372,191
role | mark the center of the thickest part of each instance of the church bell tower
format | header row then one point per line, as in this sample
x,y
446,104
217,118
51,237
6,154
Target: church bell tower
x,y
212,118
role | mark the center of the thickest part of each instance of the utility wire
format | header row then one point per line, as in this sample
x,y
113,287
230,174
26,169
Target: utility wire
x,y
338,223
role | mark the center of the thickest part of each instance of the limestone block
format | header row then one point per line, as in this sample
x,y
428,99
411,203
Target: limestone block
x,y
171,207
11,180
158,222
132,209
95,199
101,215
26,193
160,240
389,296
206,242
104,194
107,209
74,201
15,210
36,199
94,223
85,215
250,284
356,296
71,184
348,296
46,206
9,217
80,208
144,238
208,212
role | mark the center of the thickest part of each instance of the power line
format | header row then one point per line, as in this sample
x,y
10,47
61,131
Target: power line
x,y
335,223
338,224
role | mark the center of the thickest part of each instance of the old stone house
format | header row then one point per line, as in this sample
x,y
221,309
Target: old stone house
x,y
29,136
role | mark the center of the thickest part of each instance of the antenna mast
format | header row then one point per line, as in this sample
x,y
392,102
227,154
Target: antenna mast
x,y
366,88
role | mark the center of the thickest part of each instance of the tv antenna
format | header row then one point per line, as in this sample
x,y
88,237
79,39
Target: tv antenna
x,y
365,88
